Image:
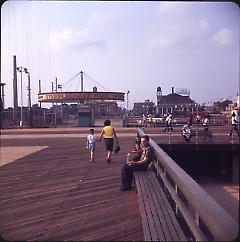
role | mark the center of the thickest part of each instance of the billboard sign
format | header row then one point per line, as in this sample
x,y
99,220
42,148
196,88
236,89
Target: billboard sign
x,y
183,91
80,96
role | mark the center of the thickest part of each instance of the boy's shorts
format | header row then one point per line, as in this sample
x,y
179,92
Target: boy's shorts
x,y
92,146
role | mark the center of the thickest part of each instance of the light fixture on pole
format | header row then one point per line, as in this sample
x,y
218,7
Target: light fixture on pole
x,y
29,98
28,88
59,86
20,69
127,100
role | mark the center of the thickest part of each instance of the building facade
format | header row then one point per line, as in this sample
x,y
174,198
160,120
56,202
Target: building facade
x,y
174,103
147,107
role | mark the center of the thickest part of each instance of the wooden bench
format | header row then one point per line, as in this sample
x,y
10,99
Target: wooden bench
x,y
158,219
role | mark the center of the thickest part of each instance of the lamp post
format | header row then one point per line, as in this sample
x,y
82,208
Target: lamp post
x,y
28,88
59,86
20,69
29,98
127,100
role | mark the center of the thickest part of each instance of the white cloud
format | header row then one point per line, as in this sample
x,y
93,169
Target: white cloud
x,y
99,21
223,37
175,8
203,24
69,38
167,38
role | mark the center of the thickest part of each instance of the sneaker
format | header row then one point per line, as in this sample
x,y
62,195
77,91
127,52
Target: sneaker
x,y
108,161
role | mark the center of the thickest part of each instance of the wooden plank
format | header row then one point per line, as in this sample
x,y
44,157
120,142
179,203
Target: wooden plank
x,y
171,220
56,194
157,217
161,211
149,215
165,222
145,225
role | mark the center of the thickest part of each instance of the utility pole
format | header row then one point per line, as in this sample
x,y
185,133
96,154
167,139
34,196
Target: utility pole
x,y
52,92
29,89
20,69
15,92
29,99
127,101
39,91
81,72
56,84
56,104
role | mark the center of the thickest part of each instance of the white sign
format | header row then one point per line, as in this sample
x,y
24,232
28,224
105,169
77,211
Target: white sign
x,y
183,91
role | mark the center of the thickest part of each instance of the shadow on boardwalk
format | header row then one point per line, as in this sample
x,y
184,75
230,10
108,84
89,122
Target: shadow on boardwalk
x,y
56,194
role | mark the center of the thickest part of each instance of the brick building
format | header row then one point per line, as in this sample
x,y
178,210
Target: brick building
x,y
175,103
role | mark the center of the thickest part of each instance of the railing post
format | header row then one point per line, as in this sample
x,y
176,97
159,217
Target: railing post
x,y
176,207
165,175
197,135
169,137
197,218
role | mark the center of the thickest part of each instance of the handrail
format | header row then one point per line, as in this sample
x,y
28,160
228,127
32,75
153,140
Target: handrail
x,y
220,224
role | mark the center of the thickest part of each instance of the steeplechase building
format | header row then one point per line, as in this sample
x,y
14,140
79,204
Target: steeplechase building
x,y
176,103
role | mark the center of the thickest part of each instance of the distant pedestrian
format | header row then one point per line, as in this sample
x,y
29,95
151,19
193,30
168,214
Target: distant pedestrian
x,y
198,119
190,118
187,132
234,124
144,121
150,120
108,133
91,144
206,124
168,121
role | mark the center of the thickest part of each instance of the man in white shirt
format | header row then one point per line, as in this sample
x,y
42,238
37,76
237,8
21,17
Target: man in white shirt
x,y
234,124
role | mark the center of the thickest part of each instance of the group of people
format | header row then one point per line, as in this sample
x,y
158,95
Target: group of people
x,y
108,133
187,128
144,153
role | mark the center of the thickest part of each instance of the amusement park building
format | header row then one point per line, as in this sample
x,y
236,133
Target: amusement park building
x,y
145,108
174,103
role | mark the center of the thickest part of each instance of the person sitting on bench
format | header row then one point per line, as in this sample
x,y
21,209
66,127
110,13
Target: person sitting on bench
x,y
147,156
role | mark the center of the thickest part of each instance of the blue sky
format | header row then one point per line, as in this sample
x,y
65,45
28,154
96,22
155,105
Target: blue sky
x,y
135,46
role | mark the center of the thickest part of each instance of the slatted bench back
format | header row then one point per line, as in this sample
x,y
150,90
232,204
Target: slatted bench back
x,y
158,219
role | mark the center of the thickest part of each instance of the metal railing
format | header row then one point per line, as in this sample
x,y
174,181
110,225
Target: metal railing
x,y
205,218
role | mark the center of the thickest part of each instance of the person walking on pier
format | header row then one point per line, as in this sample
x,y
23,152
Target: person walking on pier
x,y
198,119
187,132
234,124
147,156
91,144
168,121
206,124
108,133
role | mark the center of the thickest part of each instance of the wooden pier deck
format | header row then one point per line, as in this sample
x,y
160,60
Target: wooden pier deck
x,y
56,194
49,191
